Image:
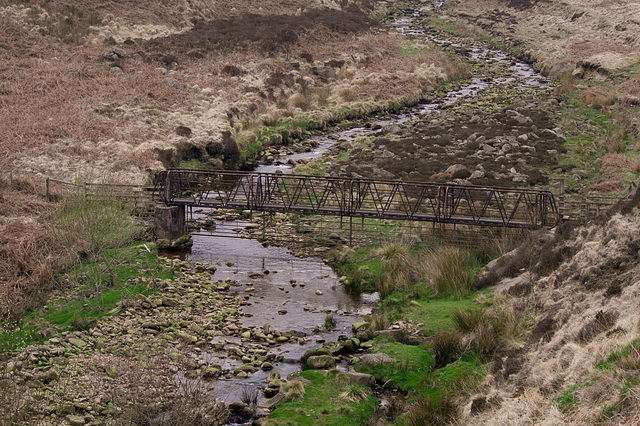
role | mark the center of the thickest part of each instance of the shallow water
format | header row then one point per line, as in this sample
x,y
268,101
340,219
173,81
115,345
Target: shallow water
x,y
293,294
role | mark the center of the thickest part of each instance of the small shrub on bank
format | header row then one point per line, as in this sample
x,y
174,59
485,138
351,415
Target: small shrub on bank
x,y
446,348
430,410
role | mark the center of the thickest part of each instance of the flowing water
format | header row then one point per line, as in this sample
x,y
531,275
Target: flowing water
x,y
293,294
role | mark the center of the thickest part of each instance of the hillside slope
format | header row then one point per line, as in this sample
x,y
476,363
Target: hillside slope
x,y
581,285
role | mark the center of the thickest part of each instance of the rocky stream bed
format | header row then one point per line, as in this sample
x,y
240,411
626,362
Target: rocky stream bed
x,y
220,340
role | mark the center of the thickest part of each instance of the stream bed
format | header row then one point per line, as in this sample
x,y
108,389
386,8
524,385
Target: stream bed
x,y
298,296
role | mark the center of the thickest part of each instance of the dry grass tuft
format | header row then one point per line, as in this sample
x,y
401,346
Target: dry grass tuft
x,y
599,97
447,348
446,270
294,390
613,163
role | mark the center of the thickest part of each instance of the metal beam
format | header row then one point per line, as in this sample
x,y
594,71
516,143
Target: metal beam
x,y
383,199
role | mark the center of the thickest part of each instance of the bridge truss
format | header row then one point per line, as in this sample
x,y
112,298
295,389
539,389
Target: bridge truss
x,y
363,198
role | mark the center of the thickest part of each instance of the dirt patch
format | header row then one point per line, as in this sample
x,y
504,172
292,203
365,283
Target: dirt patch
x,y
601,323
265,33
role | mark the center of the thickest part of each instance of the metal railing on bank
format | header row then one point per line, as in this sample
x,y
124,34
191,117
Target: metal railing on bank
x,y
139,195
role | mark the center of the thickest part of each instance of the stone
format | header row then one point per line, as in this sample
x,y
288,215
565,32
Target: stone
x,y
360,379
360,326
271,392
173,83
272,402
169,302
371,360
274,375
314,352
79,343
237,407
321,362
458,171
266,366
364,335
247,412
119,51
396,335
75,420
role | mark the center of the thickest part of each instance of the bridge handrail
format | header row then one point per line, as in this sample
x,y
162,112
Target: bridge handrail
x,y
252,190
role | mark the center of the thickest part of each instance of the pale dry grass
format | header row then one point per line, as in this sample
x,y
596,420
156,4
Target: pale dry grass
x,y
599,97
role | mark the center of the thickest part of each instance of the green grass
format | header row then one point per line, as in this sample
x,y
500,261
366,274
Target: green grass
x,y
193,164
80,312
414,363
411,48
627,355
322,404
436,314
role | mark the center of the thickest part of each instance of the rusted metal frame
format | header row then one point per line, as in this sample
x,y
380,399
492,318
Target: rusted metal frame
x,y
328,189
434,205
455,207
376,199
299,186
515,207
404,199
386,206
500,204
423,189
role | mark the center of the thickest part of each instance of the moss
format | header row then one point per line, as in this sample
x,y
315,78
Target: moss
x,y
322,403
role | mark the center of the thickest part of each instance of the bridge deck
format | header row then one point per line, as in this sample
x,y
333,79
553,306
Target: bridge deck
x,y
382,199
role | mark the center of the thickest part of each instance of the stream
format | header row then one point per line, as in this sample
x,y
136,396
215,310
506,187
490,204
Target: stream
x,y
297,295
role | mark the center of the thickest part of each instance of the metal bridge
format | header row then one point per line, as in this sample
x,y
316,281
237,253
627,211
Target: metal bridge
x,y
365,198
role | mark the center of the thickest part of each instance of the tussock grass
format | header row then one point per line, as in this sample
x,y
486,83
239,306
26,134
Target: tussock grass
x,y
446,270
599,97
490,329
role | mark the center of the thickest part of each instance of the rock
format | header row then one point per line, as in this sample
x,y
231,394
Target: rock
x,y
320,362
396,335
364,335
116,70
360,326
79,343
266,366
558,69
314,352
360,379
119,51
274,375
175,84
271,392
346,347
458,171
371,360
237,407
324,72
580,173
169,302
143,301
75,420
247,412
272,402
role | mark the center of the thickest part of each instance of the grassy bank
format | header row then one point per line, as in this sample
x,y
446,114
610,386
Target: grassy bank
x,y
441,334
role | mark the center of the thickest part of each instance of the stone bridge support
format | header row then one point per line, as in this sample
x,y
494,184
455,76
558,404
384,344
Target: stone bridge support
x,y
170,227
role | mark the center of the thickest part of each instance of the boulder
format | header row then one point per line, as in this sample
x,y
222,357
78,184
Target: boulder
x,y
371,360
320,362
314,352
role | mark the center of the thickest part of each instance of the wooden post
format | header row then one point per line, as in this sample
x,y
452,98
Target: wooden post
x,y
561,198
47,190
